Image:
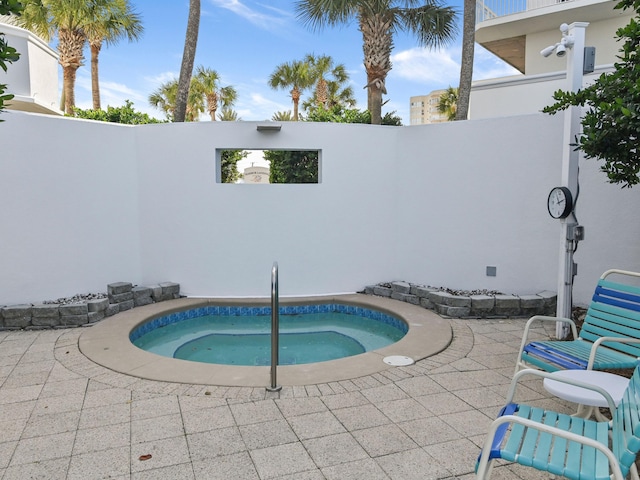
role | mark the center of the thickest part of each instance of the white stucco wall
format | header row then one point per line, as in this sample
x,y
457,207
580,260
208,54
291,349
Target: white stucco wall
x,y
86,204
327,237
479,199
69,214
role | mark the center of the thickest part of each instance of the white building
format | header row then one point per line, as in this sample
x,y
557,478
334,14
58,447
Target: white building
x,y
33,79
516,31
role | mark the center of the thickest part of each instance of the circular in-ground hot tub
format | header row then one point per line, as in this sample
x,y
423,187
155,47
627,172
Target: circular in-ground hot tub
x,y
108,343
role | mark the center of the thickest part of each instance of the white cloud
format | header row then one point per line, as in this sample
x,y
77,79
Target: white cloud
x,y
426,66
160,78
258,107
443,66
262,20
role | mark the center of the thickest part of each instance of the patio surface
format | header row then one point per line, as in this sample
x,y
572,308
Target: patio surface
x,y
64,417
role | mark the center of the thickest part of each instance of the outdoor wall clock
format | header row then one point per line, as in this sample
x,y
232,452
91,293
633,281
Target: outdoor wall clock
x,y
560,202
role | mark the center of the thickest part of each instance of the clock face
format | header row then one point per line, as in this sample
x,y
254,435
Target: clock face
x,y
559,202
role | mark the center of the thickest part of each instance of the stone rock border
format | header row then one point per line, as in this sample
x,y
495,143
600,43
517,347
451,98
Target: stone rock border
x,y
467,306
121,296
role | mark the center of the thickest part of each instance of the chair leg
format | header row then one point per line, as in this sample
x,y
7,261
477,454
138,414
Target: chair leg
x,y
484,471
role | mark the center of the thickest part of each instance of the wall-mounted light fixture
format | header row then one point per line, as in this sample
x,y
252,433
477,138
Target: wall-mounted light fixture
x,y
269,127
561,47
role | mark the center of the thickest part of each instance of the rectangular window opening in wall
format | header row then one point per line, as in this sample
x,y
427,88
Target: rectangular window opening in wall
x,y
262,166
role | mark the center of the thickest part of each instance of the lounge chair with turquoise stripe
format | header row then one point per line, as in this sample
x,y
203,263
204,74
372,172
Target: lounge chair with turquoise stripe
x,y
609,337
566,445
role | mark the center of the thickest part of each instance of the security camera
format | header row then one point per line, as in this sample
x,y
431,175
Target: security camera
x,y
547,51
561,50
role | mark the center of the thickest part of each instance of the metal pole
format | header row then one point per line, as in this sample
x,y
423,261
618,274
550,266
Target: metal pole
x,y
570,158
275,329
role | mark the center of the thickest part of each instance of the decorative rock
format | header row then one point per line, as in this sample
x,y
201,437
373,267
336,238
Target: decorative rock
x,y
82,309
382,291
455,301
74,320
118,288
121,297
550,301
128,305
405,297
507,305
438,297
426,303
45,315
42,310
401,287
531,304
100,305
482,305
423,292
73,309
467,303
17,316
156,293
141,301
139,292
170,290
458,312
94,317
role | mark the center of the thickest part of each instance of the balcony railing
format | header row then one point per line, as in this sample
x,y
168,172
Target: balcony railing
x,y
488,9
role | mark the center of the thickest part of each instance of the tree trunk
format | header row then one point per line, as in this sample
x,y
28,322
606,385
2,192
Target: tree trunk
x,y
377,43
212,105
68,84
95,83
70,46
295,97
188,58
466,62
322,95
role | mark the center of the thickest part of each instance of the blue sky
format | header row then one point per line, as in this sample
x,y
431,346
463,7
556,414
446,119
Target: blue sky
x,y
245,40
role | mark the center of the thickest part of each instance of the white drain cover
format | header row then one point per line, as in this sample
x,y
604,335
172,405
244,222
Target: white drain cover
x,y
398,360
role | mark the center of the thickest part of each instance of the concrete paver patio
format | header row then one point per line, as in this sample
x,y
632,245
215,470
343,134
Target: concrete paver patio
x,y
65,417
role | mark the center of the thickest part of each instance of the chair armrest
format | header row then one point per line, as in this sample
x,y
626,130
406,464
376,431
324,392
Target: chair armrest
x,y
541,318
539,373
620,272
598,343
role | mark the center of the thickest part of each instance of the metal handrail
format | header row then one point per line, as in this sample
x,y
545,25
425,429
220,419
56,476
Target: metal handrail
x,y
275,329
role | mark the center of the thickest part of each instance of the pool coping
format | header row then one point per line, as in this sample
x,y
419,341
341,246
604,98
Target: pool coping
x,y
107,343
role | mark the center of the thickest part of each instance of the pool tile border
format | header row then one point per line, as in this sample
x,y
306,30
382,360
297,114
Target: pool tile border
x,y
241,311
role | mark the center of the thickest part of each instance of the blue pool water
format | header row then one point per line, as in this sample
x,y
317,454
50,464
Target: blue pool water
x,y
241,335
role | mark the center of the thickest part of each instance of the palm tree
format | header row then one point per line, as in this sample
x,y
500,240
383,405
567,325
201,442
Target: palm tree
x,y
112,22
165,97
294,75
188,58
206,83
228,115
285,116
378,20
466,62
68,19
330,80
448,103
